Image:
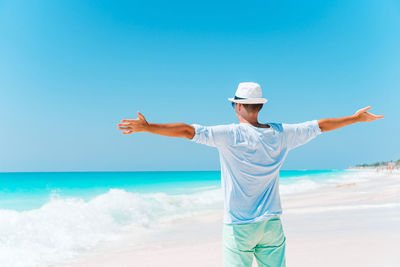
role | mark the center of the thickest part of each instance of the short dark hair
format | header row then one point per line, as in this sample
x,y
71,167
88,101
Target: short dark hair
x,y
251,108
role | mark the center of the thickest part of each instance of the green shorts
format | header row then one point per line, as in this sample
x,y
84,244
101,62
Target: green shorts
x,y
265,240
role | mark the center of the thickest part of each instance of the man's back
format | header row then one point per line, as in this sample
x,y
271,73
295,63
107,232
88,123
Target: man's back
x,y
250,161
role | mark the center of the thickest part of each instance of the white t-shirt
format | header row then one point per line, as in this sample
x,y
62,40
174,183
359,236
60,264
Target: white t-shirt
x,y
250,161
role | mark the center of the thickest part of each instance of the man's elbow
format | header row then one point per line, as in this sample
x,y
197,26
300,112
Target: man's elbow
x,y
322,126
189,132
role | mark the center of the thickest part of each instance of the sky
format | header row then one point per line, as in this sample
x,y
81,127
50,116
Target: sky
x,y
71,70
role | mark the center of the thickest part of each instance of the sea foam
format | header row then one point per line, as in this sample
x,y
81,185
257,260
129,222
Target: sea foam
x,y
66,227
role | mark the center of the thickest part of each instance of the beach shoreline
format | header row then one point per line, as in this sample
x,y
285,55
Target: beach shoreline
x,y
349,224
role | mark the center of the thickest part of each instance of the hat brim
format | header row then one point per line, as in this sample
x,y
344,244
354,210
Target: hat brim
x,y
249,100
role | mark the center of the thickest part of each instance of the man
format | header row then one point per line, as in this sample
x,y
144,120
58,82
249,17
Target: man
x,y
251,155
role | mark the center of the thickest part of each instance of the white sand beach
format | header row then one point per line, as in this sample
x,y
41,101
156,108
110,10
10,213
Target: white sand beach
x,y
349,224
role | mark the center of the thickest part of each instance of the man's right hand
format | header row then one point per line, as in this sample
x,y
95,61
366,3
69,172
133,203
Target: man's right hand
x,y
362,115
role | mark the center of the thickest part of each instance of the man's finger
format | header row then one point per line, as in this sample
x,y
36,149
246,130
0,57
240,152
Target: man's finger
x,y
129,120
140,116
128,132
124,128
123,125
365,109
376,116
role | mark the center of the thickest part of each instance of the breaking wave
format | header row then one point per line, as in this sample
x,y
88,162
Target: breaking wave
x,y
65,227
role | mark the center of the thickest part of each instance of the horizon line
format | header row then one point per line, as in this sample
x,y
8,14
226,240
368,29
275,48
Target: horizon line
x,y
165,171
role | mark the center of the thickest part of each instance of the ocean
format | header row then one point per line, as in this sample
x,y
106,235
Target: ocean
x,y
47,217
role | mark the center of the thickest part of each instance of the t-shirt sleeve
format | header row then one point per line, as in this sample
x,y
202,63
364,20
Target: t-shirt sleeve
x,y
215,136
300,133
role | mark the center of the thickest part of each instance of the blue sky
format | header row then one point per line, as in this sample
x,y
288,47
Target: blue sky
x,y
71,70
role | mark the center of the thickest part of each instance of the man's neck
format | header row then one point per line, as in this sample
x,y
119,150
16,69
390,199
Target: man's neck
x,y
253,121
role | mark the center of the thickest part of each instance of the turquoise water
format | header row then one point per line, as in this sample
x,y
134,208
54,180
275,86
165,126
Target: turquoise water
x,y
30,190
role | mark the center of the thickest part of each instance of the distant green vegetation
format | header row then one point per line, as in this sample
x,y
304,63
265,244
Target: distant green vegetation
x,y
379,164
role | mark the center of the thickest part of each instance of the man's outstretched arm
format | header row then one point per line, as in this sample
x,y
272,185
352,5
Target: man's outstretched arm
x,y
360,116
168,129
